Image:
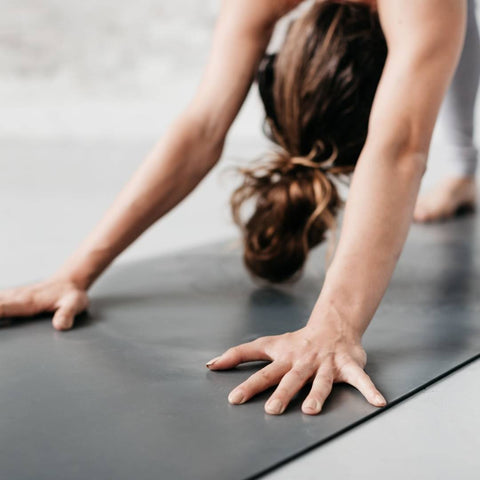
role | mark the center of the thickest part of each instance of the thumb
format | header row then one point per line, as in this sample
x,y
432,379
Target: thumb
x,y
70,306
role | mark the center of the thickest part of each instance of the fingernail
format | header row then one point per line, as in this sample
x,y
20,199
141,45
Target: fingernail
x,y
275,407
380,399
312,404
212,361
236,397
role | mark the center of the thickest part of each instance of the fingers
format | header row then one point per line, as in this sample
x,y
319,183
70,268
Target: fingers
x,y
356,376
70,306
16,303
321,389
246,352
290,384
258,382
294,363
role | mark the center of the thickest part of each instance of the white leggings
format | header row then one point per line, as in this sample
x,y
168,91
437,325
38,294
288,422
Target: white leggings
x,y
456,122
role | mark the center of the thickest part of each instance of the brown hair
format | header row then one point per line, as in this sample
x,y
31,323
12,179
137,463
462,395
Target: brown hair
x,y
317,92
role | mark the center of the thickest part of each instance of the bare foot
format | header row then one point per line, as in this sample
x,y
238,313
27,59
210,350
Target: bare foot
x,y
446,199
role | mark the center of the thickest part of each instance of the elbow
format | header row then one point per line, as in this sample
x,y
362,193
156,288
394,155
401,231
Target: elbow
x,y
206,143
207,130
209,135
413,162
405,144
406,155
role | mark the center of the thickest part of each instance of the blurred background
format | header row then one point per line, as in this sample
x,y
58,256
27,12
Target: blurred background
x,y
86,89
99,69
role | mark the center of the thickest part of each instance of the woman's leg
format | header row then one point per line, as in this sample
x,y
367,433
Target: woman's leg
x,y
456,127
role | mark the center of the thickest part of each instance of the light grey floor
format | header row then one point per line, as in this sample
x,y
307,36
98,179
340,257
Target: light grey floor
x,y
51,193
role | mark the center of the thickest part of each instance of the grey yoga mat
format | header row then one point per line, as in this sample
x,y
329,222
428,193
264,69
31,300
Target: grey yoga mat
x,y
126,394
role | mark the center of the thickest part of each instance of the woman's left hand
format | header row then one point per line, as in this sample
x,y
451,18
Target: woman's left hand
x,y
322,355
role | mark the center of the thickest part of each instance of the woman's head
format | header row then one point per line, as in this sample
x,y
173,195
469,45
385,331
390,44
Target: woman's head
x,y
317,92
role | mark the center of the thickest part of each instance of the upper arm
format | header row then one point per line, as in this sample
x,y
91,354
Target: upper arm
x,y
424,40
241,36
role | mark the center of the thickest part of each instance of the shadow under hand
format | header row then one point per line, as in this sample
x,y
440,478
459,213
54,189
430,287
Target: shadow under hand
x,y
82,320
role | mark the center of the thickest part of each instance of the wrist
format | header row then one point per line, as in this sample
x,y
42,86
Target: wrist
x,y
344,303
85,266
80,276
340,317
81,282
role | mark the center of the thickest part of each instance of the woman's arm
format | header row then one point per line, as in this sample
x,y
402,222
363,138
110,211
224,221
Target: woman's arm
x,y
419,68
184,155
424,40
191,146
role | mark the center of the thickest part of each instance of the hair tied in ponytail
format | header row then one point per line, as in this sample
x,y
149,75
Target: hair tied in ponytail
x,y
317,91
312,159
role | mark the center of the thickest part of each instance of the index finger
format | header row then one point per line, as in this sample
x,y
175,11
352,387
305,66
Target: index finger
x,y
246,352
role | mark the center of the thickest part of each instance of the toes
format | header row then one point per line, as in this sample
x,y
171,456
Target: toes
x,y
421,211
445,201
427,215
422,215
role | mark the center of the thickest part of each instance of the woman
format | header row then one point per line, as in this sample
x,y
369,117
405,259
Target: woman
x,y
320,94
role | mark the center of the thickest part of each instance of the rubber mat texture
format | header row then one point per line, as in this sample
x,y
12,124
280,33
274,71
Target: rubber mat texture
x,y
126,394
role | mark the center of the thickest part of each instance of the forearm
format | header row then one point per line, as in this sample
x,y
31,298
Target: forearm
x,y
173,168
376,223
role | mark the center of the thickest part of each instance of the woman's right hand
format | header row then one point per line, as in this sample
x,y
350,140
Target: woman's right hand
x,y
62,297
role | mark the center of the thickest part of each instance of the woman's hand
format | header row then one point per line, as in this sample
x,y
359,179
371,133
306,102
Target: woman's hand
x,y
60,296
321,355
